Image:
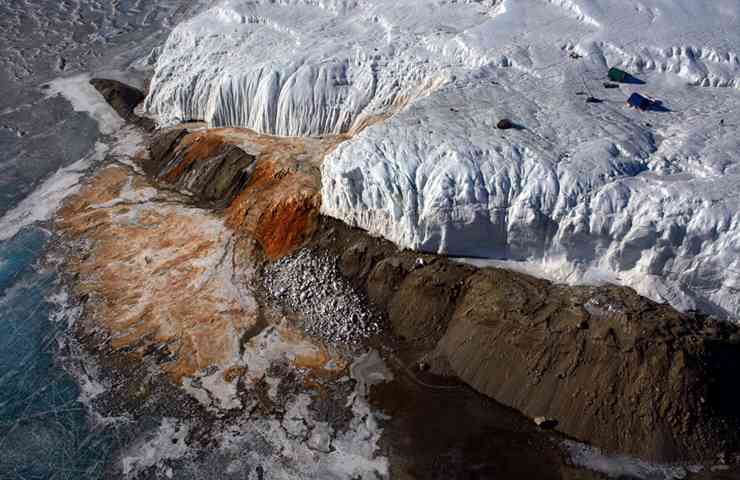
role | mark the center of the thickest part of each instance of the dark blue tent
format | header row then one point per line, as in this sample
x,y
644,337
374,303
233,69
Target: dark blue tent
x,y
638,101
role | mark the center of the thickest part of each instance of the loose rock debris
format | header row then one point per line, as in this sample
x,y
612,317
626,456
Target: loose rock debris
x,y
330,307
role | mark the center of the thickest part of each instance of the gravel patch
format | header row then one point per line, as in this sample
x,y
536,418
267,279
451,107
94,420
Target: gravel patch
x,y
311,285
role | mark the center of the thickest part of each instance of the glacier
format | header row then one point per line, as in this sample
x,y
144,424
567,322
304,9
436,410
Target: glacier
x,y
577,190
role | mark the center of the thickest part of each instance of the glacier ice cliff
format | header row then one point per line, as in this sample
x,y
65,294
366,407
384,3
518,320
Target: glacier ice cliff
x,y
581,190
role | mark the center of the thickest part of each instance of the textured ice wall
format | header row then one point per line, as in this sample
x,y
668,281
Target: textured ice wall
x,y
581,189
584,190
303,67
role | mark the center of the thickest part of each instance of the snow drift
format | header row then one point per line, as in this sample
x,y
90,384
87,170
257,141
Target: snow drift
x,y
583,190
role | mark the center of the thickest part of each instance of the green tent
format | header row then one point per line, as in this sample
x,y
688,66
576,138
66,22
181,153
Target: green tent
x,y
617,75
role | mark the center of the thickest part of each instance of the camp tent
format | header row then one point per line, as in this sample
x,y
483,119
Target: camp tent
x,y
617,75
638,101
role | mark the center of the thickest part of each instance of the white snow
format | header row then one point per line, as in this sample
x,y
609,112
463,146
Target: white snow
x,y
582,190
167,442
300,67
619,466
84,98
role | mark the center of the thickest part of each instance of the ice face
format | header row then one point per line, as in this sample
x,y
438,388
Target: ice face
x,y
645,199
301,68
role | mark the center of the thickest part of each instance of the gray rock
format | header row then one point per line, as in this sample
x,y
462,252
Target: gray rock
x,y
330,307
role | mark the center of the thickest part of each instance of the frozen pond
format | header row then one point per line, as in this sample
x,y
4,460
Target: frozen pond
x,y
47,147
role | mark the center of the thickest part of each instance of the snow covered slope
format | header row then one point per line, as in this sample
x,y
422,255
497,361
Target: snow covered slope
x,y
583,190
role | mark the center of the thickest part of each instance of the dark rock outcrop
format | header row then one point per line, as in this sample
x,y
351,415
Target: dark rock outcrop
x,y
614,368
504,124
124,99
270,194
205,167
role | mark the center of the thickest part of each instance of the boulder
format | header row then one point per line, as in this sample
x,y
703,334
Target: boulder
x,y
504,124
124,99
545,423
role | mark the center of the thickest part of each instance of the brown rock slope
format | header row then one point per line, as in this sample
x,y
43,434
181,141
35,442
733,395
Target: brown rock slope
x,y
613,368
610,366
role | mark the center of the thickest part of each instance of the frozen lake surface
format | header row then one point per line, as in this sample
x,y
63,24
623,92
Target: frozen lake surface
x,y
48,144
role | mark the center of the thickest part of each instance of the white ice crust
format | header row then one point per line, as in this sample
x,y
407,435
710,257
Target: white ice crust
x,y
581,190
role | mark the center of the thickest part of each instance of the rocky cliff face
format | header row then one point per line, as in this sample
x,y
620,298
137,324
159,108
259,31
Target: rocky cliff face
x,y
271,194
204,167
124,99
617,369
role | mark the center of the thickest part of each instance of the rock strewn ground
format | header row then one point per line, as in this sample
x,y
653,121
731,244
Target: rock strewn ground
x,y
312,287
